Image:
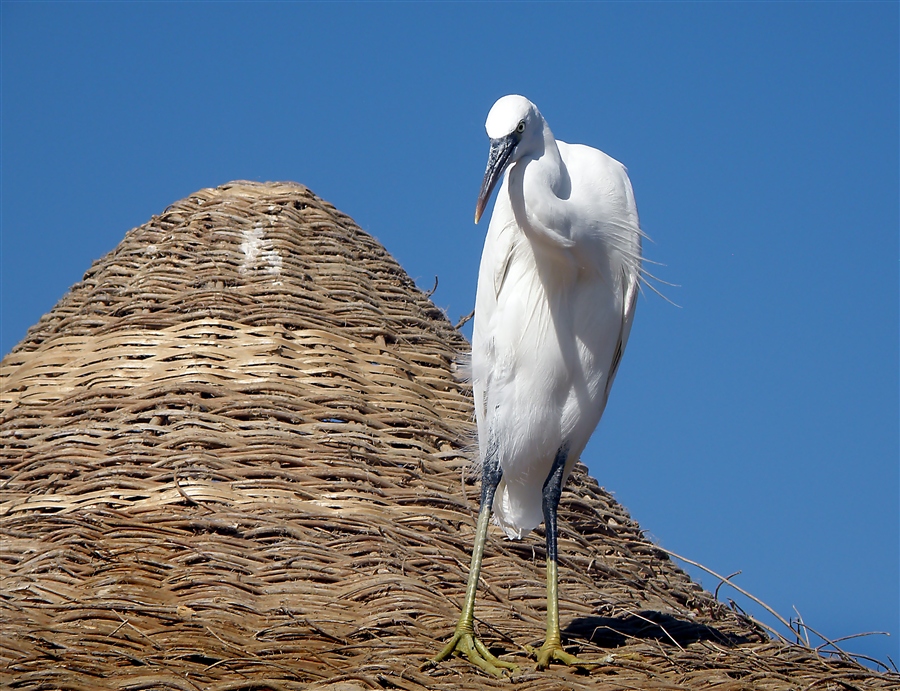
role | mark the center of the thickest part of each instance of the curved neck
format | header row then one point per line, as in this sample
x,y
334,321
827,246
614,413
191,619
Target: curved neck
x,y
539,186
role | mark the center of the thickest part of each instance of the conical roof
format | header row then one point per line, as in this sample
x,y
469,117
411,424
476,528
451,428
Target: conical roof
x,y
233,457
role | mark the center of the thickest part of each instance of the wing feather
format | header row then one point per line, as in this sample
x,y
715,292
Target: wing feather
x,y
629,303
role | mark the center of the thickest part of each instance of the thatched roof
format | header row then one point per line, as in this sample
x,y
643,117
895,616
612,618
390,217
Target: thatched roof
x,y
233,457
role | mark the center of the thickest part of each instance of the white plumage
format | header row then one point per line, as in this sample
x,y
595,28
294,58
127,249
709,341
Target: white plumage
x,y
556,296
557,290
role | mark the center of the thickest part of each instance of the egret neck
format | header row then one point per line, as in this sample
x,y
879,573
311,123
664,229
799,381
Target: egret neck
x,y
539,187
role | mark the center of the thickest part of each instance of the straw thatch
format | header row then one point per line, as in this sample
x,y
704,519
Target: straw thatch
x,y
233,458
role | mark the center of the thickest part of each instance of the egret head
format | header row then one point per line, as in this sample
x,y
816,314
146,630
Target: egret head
x,y
515,127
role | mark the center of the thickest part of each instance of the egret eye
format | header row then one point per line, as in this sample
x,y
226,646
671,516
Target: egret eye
x,y
520,127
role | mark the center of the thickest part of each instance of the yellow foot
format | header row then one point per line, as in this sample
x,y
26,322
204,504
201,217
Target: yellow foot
x,y
552,651
464,643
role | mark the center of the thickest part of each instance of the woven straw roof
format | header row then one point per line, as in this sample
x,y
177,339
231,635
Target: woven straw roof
x,y
233,458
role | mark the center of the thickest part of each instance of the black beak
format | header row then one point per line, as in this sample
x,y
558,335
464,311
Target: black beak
x,y
498,158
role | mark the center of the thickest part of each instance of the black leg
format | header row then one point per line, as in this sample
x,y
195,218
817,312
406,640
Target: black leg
x,y
551,492
464,641
552,650
491,473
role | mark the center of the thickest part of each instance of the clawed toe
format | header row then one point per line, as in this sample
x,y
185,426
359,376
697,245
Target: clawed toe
x,y
553,652
465,643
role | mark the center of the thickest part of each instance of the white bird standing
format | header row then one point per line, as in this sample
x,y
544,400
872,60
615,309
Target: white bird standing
x,y
556,297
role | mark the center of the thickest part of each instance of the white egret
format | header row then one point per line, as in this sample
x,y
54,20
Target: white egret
x,y
556,297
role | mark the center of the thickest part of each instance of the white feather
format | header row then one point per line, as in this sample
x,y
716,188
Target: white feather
x,y
556,296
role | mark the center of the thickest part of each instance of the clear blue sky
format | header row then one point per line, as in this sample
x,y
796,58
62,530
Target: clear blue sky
x,y
755,428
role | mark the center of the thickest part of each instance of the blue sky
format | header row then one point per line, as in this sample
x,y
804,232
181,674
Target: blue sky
x,y
754,428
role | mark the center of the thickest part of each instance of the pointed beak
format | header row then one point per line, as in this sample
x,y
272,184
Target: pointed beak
x,y
498,158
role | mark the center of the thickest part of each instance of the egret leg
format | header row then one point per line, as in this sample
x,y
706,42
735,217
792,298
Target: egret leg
x,y
464,642
552,650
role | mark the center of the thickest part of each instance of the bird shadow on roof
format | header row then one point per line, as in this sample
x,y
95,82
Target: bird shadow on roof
x,y
613,632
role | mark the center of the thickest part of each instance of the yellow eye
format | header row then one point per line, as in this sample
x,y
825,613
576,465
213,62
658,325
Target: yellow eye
x,y
520,127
